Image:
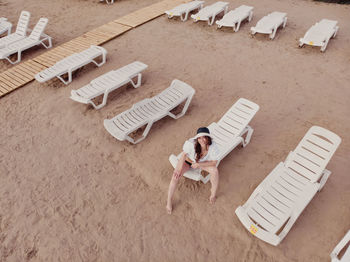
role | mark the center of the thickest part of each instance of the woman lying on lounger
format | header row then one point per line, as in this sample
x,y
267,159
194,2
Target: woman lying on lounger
x,y
198,152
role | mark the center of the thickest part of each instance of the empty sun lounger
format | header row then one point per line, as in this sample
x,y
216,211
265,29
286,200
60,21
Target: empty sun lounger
x,y
71,63
36,37
5,26
108,82
320,34
209,12
184,9
150,110
277,202
270,23
228,133
235,17
337,250
20,33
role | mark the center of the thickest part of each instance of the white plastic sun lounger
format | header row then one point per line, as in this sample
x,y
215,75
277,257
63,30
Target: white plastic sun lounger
x,y
320,34
5,26
36,37
342,244
228,133
150,110
277,202
107,83
270,23
71,63
184,9
235,17
209,12
20,33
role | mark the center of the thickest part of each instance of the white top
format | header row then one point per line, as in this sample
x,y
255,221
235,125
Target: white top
x,y
212,155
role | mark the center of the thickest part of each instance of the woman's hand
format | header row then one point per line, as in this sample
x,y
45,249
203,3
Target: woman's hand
x,y
195,165
177,173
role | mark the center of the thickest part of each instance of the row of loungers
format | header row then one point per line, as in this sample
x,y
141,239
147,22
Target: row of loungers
x,y
281,197
17,42
318,35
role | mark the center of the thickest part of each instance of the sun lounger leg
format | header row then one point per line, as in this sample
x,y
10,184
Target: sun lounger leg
x,y
249,131
183,110
284,22
272,35
102,62
69,78
19,56
325,174
145,133
9,30
139,76
48,39
236,28
183,19
250,16
211,21
336,31
323,48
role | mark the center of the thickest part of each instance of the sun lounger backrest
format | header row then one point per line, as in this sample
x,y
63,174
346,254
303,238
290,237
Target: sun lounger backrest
x,y
23,22
39,29
313,153
238,116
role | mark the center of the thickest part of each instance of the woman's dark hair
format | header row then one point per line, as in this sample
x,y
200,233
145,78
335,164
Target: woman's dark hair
x,y
198,148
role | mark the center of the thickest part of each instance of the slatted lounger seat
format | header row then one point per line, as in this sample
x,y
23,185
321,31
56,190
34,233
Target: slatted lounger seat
x,y
320,34
228,133
37,37
20,33
344,243
209,12
184,9
108,82
5,26
270,23
235,17
150,110
277,202
71,63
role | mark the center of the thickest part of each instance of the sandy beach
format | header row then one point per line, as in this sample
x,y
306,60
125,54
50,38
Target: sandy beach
x,y
69,191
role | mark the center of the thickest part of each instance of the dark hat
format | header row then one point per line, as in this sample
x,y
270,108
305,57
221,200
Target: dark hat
x,y
202,131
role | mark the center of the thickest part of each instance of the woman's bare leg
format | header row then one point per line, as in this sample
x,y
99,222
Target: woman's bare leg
x,y
183,167
214,180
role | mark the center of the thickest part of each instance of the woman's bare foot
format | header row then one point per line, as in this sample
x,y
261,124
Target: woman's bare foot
x,y
212,199
169,209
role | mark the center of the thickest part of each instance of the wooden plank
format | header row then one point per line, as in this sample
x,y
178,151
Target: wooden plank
x,y
14,76
6,81
4,88
30,68
22,72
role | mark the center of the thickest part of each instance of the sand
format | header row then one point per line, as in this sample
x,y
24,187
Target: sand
x,y
70,192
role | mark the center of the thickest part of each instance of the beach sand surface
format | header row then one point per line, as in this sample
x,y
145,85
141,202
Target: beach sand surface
x,y
69,191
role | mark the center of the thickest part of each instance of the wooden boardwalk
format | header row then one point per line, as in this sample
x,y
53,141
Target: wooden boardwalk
x,y
23,73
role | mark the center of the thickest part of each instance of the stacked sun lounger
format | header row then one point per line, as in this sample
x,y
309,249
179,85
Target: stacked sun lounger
x,y
36,37
270,23
235,17
320,34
